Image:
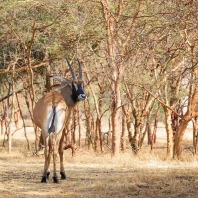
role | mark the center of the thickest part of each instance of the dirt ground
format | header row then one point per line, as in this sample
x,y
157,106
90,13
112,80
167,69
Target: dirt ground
x,y
98,175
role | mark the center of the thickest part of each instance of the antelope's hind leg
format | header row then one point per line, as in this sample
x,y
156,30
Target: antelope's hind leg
x,y
54,153
48,153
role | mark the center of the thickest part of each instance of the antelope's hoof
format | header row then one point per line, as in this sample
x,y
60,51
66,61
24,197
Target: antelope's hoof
x,y
63,176
55,178
44,179
48,173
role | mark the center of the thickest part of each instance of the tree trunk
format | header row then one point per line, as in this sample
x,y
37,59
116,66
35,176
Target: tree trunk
x,y
89,126
137,133
179,137
74,129
115,132
195,133
109,134
3,118
152,139
97,139
124,132
79,128
174,119
128,113
25,133
169,132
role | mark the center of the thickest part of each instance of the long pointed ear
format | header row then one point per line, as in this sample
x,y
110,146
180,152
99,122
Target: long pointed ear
x,y
60,79
71,70
56,88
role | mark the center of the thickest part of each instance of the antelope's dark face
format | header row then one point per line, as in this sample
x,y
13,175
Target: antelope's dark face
x,y
78,92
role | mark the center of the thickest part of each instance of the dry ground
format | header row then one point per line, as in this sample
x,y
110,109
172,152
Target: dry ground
x,y
99,175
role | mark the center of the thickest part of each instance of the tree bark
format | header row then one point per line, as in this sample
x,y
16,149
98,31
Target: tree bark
x,y
169,132
179,137
21,114
195,133
124,132
89,126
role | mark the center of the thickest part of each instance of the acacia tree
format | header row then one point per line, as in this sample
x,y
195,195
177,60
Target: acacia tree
x,y
24,24
117,22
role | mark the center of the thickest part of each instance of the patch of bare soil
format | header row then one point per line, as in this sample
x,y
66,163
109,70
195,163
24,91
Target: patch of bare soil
x,y
98,175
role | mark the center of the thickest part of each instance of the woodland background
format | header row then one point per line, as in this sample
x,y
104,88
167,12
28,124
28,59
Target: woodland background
x,y
139,62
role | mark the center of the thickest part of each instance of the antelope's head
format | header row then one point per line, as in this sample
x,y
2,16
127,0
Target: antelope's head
x,y
77,84
77,92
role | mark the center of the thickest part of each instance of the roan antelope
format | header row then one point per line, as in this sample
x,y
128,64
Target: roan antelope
x,y
51,114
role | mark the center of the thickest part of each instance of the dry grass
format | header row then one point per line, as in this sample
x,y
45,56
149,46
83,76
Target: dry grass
x,y
100,175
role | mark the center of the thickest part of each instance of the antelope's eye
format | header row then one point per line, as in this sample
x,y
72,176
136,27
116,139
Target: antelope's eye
x,y
81,85
76,87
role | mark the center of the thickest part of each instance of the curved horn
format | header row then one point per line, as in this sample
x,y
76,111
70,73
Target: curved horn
x,y
80,70
71,70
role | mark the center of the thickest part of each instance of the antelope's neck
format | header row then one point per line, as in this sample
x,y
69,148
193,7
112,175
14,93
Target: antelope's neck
x,y
68,96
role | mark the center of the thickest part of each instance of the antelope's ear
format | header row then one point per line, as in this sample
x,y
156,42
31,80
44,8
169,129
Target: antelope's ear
x,y
59,78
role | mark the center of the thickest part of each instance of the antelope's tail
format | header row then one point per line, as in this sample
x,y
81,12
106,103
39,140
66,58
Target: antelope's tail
x,y
52,123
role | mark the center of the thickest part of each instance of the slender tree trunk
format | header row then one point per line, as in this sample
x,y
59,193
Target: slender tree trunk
x,y
97,139
149,130
89,126
169,132
124,132
74,129
152,139
3,118
25,133
195,133
109,134
79,128
155,125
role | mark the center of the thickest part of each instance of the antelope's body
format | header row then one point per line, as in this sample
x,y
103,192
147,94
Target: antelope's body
x,y
51,114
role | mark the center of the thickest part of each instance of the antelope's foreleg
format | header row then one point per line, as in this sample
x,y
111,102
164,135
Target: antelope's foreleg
x,y
60,149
